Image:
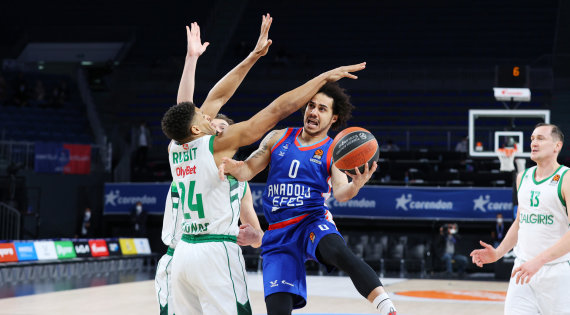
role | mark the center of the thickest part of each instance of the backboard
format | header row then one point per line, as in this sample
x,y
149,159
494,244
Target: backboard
x,y
493,129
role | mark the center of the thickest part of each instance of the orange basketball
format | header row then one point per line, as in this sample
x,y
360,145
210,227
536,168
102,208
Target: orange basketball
x,y
354,147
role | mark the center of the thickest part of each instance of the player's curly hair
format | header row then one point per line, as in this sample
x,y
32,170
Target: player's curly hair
x,y
177,119
341,103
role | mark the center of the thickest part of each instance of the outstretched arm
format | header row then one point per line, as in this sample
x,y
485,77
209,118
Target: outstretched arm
x,y
195,49
250,232
560,248
255,163
488,254
226,87
247,132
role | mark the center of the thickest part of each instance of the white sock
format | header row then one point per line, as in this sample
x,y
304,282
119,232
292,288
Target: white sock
x,y
384,305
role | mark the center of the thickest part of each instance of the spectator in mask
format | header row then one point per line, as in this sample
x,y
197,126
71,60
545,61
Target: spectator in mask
x,y
85,230
143,142
446,249
138,220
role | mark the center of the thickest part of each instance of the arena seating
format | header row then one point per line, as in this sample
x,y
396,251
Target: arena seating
x,y
470,32
414,120
46,119
44,124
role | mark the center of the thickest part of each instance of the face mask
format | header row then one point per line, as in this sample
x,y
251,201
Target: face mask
x,y
452,231
139,208
87,216
500,220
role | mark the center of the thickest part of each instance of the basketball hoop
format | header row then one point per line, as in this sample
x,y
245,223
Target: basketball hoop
x,y
507,157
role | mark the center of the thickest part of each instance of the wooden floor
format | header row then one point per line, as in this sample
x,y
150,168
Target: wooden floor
x,y
327,295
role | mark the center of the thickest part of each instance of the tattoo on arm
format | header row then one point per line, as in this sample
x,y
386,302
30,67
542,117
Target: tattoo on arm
x,y
264,145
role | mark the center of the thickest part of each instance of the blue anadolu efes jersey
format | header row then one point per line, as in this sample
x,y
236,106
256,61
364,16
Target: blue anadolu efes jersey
x,y
299,178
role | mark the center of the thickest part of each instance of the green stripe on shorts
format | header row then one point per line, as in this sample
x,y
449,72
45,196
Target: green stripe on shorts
x,y
207,238
244,309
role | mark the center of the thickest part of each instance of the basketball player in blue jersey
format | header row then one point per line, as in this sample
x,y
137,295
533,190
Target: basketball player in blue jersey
x,y
208,276
300,177
207,267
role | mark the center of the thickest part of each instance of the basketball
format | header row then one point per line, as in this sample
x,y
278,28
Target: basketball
x,y
354,147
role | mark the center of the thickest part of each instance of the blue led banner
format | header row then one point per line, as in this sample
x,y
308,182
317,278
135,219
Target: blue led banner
x,y
121,198
371,201
418,202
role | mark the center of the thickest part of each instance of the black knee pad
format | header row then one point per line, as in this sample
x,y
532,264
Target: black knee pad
x,y
333,251
280,303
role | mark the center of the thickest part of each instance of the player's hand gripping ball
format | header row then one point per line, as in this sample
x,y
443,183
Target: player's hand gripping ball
x,y
354,147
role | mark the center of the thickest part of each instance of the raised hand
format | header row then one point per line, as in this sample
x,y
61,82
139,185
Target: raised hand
x,y
195,46
361,178
263,42
486,255
344,72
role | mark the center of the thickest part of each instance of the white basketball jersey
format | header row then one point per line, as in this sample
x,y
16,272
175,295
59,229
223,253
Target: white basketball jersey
x,y
172,220
543,216
207,204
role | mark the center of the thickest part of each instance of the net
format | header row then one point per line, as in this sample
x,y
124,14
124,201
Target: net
x,y
521,165
507,157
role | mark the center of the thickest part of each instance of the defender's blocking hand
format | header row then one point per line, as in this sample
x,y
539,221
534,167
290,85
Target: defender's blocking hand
x,y
263,42
195,46
344,72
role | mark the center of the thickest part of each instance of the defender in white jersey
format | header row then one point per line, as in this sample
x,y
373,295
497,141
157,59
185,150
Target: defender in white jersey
x,y
171,234
250,235
540,280
208,275
250,230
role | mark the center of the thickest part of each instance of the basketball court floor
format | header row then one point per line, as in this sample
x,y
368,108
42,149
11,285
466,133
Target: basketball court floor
x,y
327,295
